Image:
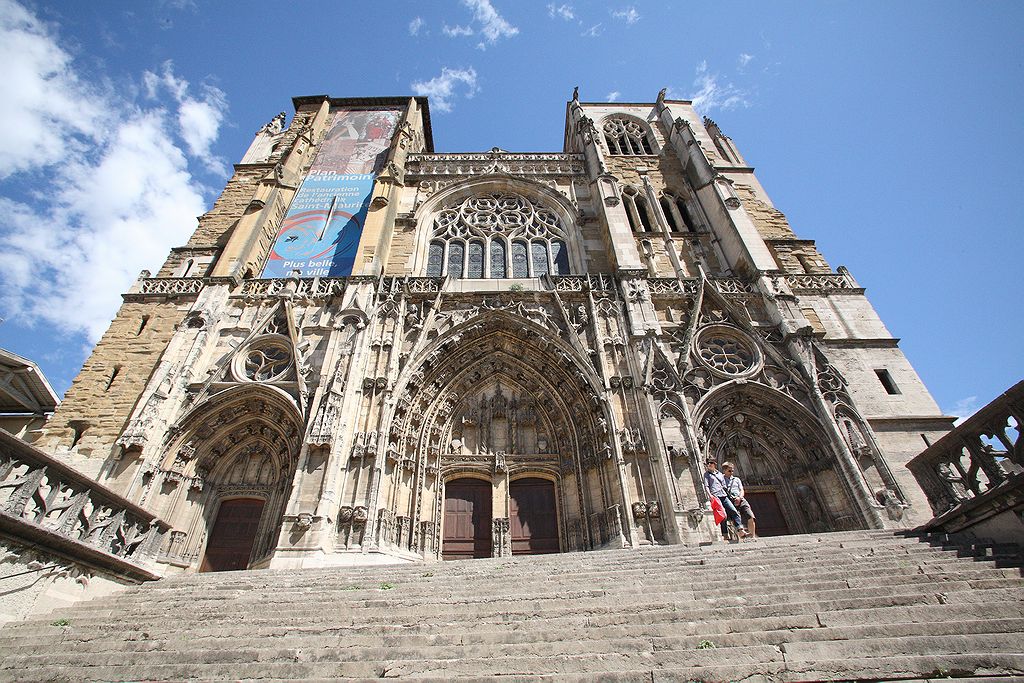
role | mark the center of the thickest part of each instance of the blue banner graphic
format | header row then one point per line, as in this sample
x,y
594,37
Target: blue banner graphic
x,y
320,233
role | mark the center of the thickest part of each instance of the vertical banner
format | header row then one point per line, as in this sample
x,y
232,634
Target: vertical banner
x,y
320,233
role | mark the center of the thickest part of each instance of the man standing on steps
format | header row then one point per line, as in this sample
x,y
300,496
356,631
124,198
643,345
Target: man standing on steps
x,y
715,483
734,489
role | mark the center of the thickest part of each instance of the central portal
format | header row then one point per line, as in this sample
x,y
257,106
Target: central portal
x,y
233,535
533,518
467,519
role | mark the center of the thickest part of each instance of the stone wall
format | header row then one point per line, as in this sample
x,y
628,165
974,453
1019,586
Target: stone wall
x,y
37,582
103,394
215,224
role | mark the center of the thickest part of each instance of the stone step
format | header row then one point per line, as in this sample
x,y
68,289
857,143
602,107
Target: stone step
x,y
594,561
570,614
652,623
486,567
944,656
432,580
394,602
662,586
855,605
399,646
429,581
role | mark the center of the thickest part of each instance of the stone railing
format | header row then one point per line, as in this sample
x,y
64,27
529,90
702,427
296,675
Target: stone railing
x,y
48,505
424,285
732,285
170,286
825,282
976,457
672,285
494,162
304,288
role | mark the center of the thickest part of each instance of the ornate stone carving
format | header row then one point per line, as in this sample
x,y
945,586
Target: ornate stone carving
x,y
266,358
551,165
726,351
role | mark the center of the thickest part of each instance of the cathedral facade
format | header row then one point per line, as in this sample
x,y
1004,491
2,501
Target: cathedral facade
x,y
369,352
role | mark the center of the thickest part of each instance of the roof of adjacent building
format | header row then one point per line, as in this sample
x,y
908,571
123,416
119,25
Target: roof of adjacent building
x,y
23,387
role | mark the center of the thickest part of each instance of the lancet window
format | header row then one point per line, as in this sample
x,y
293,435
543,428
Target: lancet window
x,y
626,136
678,214
495,235
638,211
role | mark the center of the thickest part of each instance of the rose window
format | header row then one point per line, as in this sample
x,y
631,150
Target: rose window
x,y
497,235
727,351
265,360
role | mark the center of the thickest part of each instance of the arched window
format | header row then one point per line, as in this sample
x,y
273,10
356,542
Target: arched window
x,y
626,136
679,216
637,210
476,259
456,257
435,258
497,235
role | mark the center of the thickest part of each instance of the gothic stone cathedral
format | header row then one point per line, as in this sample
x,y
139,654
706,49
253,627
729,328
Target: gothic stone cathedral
x,y
371,352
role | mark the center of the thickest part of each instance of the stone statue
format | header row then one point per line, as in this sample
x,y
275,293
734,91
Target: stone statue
x,y
816,520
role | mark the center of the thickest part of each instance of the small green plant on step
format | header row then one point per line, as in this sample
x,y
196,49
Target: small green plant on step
x,y
705,645
385,586
427,575
60,622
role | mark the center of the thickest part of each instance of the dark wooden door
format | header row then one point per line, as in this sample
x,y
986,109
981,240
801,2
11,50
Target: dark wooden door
x,y
467,519
534,519
770,520
233,535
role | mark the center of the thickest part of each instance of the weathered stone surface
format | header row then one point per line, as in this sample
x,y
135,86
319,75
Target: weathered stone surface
x,y
847,606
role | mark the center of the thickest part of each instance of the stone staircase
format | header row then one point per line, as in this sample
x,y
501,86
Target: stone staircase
x,y
866,605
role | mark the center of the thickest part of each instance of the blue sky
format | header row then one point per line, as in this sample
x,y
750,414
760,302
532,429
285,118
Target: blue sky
x,y
888,132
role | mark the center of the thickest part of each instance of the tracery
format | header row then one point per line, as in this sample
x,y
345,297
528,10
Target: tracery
x,y
626,137
497,235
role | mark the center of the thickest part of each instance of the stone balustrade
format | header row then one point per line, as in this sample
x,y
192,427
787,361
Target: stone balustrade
x,y
304,288
47,504
495,161
823,282
978,456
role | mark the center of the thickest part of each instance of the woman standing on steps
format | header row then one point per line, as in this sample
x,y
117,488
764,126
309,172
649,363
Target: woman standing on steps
x,y
715,483
734,489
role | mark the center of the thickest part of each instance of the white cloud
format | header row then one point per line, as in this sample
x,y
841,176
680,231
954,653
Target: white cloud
x,y
441,89
415,25
713,93
198,119
119,193
492,25
627,14
744,59
592,32
41,98
562,12
456,31
613,96
964,408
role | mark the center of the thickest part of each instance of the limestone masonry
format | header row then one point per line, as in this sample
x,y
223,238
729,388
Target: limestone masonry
x,y
371,352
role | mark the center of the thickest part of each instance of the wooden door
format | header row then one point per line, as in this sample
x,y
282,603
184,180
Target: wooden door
x,y
770,519
467,519
233,535
533,517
